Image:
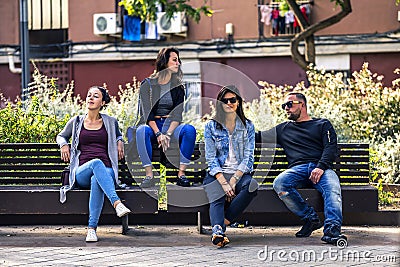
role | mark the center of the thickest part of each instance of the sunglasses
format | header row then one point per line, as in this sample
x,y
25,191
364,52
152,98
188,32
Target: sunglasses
x,y
232,100
289,104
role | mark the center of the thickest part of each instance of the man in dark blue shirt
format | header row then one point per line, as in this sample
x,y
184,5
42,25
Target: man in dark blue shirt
x,y
310,146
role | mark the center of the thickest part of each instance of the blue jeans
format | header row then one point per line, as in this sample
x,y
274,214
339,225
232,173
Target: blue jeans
x,y
145,137
100,179
285,185
245,190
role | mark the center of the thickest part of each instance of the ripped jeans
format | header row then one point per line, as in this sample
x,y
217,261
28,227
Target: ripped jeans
x,y
285,185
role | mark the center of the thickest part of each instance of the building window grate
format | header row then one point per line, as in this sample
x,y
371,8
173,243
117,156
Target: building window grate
x,y
47,14
57,70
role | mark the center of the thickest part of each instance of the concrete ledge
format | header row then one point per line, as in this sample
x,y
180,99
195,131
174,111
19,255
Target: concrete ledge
x,y
380,218
37,200
356,198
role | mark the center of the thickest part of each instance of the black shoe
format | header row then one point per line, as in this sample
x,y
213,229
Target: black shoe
x,y
332,231
147,182
183,181
219,240
340,241
218,236
308,227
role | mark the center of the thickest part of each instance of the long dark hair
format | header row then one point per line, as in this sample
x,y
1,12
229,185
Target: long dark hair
x,y
220,113
162,63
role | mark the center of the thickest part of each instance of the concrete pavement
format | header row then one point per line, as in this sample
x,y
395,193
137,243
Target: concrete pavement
x,y
182,246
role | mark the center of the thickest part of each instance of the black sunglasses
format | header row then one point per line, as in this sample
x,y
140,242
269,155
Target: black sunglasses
x,y
232,100
289,104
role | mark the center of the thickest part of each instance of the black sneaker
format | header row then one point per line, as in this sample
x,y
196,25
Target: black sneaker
x,y
219,240
308,227
183,181
333,236
148,182
340,241
332,231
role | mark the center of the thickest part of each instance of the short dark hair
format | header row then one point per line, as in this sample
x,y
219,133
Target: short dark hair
x,y
299,96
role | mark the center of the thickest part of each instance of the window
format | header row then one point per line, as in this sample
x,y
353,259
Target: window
x,y
48,28
193,91
47,14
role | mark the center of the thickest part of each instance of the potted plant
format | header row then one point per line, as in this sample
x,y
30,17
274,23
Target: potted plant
x,y
147,10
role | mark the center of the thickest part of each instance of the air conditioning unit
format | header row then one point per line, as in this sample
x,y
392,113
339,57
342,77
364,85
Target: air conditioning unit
x,y
176,24
106,23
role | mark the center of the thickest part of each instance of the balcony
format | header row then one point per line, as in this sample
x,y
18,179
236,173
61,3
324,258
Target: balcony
x,y
279,18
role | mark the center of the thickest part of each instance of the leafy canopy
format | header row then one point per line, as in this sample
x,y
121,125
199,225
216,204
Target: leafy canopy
x,y
147,9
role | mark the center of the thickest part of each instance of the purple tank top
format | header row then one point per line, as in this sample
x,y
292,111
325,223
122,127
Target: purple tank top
x,y
93,144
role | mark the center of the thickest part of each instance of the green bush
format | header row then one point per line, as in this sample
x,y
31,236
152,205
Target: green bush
x,y
360,108
42,116
388,160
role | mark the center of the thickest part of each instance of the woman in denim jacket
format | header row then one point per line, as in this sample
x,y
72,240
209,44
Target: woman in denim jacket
x,y
229,145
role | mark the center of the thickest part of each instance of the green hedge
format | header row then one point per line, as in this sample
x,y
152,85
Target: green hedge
x,y
361,108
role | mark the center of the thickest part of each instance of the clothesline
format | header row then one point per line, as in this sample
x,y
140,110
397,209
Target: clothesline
x,y
277,3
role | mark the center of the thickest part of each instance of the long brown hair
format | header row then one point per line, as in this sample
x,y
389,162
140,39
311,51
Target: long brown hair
x,y
162,63
220,113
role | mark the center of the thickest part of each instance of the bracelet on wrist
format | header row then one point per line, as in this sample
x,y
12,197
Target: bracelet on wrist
x,y
169,134
237,178
158,134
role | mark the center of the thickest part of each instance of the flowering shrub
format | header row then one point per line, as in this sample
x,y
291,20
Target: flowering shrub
x,y
126,106
388,161
360,108
42,116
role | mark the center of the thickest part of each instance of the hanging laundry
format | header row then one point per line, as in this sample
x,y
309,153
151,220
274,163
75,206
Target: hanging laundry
x,y
289,17
303,10
131,30
151,31
275,20
308,9
266,14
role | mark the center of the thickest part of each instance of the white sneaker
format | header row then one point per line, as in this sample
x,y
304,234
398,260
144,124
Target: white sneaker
x,y
91,235
122,210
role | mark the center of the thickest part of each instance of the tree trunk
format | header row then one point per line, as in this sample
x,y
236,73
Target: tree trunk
x,y
307,32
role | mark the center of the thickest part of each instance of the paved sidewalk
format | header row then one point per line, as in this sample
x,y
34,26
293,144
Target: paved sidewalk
x,y
183,246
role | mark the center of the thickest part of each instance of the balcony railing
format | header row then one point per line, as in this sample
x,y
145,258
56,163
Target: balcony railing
x,y
280,18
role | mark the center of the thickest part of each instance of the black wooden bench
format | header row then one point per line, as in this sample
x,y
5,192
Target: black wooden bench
x,y
352,166
30,182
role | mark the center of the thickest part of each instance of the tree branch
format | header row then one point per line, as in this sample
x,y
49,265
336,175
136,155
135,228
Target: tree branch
x,y
309,30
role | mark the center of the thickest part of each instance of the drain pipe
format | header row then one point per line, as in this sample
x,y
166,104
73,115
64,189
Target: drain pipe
x,y
11,65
